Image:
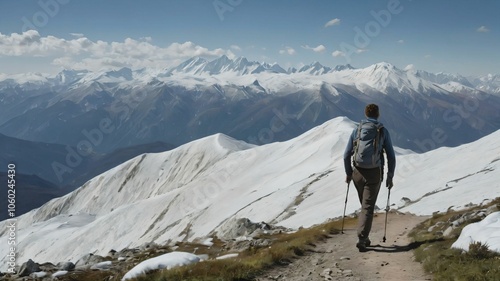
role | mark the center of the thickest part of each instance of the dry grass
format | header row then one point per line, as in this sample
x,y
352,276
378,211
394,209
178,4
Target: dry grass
x,y
252,262
446,263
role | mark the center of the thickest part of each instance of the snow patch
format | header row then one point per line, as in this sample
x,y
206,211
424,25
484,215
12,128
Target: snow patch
x,y
486,231
166,261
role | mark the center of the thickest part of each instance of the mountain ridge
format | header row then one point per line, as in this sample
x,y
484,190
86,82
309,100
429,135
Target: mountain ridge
x,y
240,66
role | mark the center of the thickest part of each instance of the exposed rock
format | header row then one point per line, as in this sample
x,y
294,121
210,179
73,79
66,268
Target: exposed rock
x,y
148,246
438,225
447,233
243,227
326,272
128,253
47,267
28,267
492,209
112,254
88,260
67,266
242,245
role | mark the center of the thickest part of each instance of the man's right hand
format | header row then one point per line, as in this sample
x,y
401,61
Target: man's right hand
x,y
389,184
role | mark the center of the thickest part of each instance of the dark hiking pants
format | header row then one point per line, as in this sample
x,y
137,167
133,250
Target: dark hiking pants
x,y
367,182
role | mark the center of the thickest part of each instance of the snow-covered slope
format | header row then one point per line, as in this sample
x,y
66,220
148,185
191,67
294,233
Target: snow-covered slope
x,y
195,190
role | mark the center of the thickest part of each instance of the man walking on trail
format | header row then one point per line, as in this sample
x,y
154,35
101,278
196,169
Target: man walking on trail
x,y
366,147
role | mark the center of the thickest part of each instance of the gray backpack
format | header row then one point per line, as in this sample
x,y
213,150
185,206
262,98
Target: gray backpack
x,y
368,145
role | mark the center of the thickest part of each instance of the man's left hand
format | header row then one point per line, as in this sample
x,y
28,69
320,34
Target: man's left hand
x,y
348,179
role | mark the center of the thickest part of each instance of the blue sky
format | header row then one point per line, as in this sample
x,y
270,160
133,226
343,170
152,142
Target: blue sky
x,y
451,36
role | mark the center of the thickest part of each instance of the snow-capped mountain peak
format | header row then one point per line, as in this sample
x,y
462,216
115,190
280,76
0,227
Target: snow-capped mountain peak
x,y
315,68
385,77
68,76
380,76
489,83
342,67
219,65
441,77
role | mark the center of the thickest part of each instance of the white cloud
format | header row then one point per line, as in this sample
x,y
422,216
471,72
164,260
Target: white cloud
x,y
410,67
401,41
288,50
82,53
427,56
338,53
318,49
483,29
77,35
235,47
230,54
332,22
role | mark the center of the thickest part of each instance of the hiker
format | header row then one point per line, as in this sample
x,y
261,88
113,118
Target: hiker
x,y
366,147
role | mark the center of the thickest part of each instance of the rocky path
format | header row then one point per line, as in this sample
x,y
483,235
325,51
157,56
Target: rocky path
x,y
337,258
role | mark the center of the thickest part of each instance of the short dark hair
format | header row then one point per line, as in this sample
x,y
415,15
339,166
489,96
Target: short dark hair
x,y
371,111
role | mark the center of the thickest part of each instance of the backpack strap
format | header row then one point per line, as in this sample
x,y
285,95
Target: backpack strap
x,y
356,142
376,142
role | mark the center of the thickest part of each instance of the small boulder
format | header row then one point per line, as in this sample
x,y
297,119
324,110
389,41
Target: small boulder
x,y
148,246
112,254
448,232
89,260
66,266
28,267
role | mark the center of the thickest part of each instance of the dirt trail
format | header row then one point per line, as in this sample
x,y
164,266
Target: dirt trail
x,y
337,258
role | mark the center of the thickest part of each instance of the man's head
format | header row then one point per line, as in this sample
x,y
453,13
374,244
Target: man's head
x,y
371,111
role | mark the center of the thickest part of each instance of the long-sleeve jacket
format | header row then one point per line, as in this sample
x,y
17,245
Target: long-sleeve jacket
x,y
386,146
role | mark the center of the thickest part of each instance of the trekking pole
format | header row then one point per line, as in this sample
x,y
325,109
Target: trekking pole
x,y
345,205
386,212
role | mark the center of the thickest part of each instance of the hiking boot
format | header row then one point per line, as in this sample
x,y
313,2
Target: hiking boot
x,y
362,244
368,242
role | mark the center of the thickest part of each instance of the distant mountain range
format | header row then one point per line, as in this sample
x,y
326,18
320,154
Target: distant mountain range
x,y
253,101
222,65
243,99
